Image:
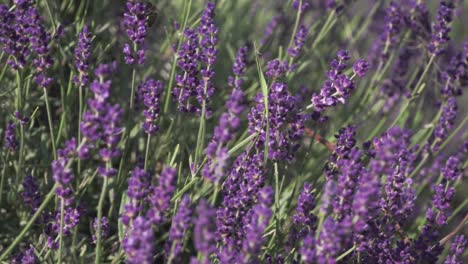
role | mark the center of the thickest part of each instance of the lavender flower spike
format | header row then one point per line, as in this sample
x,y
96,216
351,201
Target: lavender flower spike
x,y
139,243
151,90
136,25
180,223
456,250
82,54
441,28
11,143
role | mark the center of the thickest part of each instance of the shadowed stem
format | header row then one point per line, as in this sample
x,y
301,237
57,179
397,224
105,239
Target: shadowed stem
x,y
31,221
51,127
99,216
62,209
455,231
148,140
3,177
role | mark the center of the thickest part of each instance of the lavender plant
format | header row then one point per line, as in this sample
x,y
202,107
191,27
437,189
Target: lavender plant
x,y
189,131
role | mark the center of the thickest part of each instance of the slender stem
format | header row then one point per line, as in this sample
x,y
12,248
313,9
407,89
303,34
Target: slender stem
x,y
31,221
80,111
2,180
62,211
342,256
49,12
296,24
99,216
51,127
133,88
325,28
174,62
415,91
148,140
455,231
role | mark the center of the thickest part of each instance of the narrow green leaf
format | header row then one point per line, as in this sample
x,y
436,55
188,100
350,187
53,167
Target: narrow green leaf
x,y
264,88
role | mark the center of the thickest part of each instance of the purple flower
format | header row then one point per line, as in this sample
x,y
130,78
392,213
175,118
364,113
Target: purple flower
x,y
240,193
28,257
301,5
390,34
255,223
238,68
270,28
82,54
338,87
139,242
151,91
437,214
187,82
446,122
138,190
455,75
136,25
31,194
62,174
299,40
160,196
456,250
361,67
198,50
304,220
334,237
308,252
441,28
285,123
204,231
104,228
229,123
11,143
276,68
181,222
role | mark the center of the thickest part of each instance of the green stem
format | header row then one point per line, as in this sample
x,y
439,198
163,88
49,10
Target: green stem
x,y
51,128
99,216
80,111
296,24
133,88
148,140
31,221
3,177
342,256
49,12
325,28
62,211
174,62
415,91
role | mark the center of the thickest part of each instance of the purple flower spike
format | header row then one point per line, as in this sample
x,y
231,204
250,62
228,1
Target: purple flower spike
x,y
104,228
299,40
229,123
28,257
204,232
338,87
139,243
456,250
11,143
160,196
82,54
138,190
31,194
151,91
136,25
255,223
441,28
181,222
361,67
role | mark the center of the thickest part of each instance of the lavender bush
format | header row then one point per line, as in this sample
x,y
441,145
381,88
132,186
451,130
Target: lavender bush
x,y
190,131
